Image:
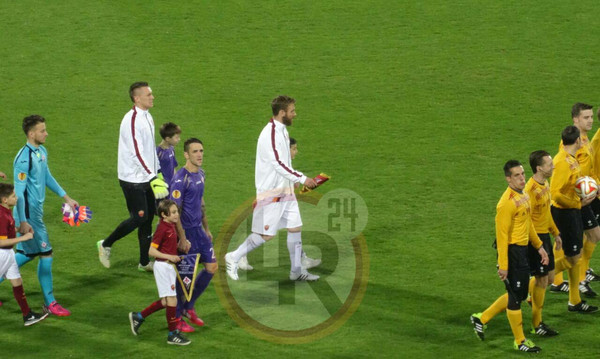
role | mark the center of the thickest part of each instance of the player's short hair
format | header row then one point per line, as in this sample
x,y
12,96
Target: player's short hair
x,y
169,129
6,189
164,206
134,86
510,164
292,141
31,121
570,135
536,158
578,107
189,141
281,102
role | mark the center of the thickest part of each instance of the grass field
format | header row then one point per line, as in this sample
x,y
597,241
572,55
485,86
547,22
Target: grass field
x,y
414,106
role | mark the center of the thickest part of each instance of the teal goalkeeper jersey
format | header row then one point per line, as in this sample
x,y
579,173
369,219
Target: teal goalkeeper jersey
x,y
32,176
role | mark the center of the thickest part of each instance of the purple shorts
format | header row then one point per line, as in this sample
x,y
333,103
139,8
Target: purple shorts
x,y
200,244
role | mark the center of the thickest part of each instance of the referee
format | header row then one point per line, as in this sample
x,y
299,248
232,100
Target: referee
x,y
139,176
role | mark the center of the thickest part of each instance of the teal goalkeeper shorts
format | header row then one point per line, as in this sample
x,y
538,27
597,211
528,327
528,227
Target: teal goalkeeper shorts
x,y
39,244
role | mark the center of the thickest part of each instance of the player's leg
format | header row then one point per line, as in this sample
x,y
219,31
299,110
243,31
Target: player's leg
x,y
135,197
145,233
540,282
559,285
592,236
165,279
265,219
292,221
518,278
20,259
207,255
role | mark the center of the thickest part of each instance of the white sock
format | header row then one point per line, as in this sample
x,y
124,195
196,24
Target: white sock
x,y
252,242
294,243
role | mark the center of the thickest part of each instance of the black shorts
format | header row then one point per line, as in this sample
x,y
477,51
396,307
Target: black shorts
x,y
570,225
596,208
139,198
588,217
535,265
518,272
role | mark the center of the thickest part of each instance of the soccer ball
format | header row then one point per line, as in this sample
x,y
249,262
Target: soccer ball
x,y
586,187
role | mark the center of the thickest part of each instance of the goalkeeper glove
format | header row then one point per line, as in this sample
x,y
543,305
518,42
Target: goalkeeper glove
x,y
159,187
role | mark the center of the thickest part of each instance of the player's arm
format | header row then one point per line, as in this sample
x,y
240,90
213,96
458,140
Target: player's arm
x,y
12,241
271,148
503,223
561,184
159,236
555,233
21,173
137,140
176,195
205,221
56,188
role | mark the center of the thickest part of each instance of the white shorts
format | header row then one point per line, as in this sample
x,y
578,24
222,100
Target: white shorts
x,y
165,277
8,265
271,215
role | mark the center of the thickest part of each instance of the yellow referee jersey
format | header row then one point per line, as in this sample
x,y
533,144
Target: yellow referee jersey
x,y
539,200
562,184
513,224
595,148
585,157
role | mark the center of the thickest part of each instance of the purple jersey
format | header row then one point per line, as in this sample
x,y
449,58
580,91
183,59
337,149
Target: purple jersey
x,y
167,161
187,189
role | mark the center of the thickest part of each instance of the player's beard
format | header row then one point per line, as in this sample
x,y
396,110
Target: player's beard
x,y
286,121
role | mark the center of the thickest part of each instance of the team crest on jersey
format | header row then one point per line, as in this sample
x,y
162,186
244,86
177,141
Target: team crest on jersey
x,y
267,227
172,286
176,194
22,176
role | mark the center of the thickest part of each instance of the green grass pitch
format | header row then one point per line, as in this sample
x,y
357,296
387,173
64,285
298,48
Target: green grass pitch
x,y
415,106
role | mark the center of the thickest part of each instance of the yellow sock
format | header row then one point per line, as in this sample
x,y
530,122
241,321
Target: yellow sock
x,y
586,255
537,304
497,307
574,297
531,285
560,266
516,324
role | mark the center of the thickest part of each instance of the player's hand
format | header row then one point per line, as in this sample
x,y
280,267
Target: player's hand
x,y
25,228
587,200
3,175
175,259
502,274
160,188
184,246
558,243
26,237
71,202
544,256
310,183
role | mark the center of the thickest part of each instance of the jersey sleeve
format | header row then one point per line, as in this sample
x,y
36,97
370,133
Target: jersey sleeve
x,y
159,236
139,139
177,188
52,183
560,185
21,173
503,222
534,239
272,153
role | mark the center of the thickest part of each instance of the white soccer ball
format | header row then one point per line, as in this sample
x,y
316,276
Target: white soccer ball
x,y
586,187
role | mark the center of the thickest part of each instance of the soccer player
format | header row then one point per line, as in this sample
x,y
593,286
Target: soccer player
x,y
583,119
32,176
307,262
276,205
187,190
164,249
8,264
514,230
170,134
567,214
538,190
139,176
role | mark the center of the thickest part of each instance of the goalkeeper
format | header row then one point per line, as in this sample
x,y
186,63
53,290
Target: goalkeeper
x,y
139,176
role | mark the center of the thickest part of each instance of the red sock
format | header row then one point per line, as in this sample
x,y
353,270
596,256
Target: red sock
x,y
21,299
152,308
172,318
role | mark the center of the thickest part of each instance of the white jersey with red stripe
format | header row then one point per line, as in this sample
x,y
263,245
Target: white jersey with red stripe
x,y
274,175
138,162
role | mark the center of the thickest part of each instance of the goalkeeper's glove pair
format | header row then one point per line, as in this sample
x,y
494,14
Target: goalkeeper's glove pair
x,y
74,216
159,186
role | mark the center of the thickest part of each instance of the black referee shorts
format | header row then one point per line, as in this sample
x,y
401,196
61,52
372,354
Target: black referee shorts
x,y
570,225
536,268
588,217
518,275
